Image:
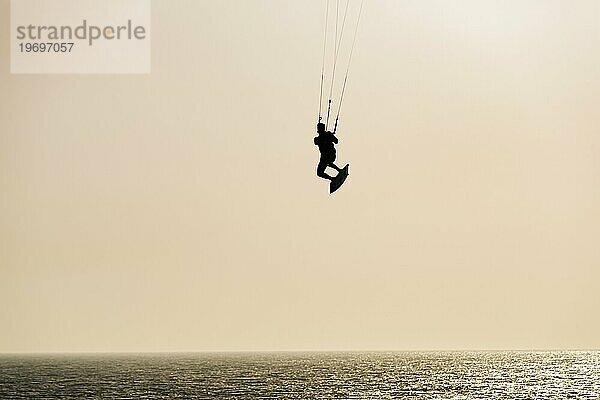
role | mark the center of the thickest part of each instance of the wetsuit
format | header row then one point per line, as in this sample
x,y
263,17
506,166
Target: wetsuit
x,y
326,142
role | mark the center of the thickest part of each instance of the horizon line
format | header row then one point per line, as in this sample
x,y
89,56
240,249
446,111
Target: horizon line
x,y
273,351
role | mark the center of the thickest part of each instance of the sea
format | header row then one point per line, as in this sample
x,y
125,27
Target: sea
x,y
353,375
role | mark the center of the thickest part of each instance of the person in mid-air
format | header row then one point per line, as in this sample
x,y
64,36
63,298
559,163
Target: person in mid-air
x,y
326,142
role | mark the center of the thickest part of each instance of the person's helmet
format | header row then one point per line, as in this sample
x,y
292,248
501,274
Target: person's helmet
x,y
320,127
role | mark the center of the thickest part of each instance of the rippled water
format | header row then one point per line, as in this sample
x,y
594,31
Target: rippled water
x,y
429,375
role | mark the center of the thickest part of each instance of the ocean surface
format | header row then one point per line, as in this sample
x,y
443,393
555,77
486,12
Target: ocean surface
x,y
410,375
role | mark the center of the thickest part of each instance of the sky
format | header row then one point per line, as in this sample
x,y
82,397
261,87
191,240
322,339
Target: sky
x,y
180,211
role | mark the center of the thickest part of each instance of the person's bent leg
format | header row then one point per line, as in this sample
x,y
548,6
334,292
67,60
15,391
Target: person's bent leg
x,y
330,161
332,165
321,171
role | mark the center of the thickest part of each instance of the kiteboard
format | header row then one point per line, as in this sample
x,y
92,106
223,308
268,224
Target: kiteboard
x,y
339,180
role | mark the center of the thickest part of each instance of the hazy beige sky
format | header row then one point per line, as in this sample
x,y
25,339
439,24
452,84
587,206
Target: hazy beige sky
x,y
180,210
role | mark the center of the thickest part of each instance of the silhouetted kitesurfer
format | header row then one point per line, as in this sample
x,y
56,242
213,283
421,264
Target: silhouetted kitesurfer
x,y
326,142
